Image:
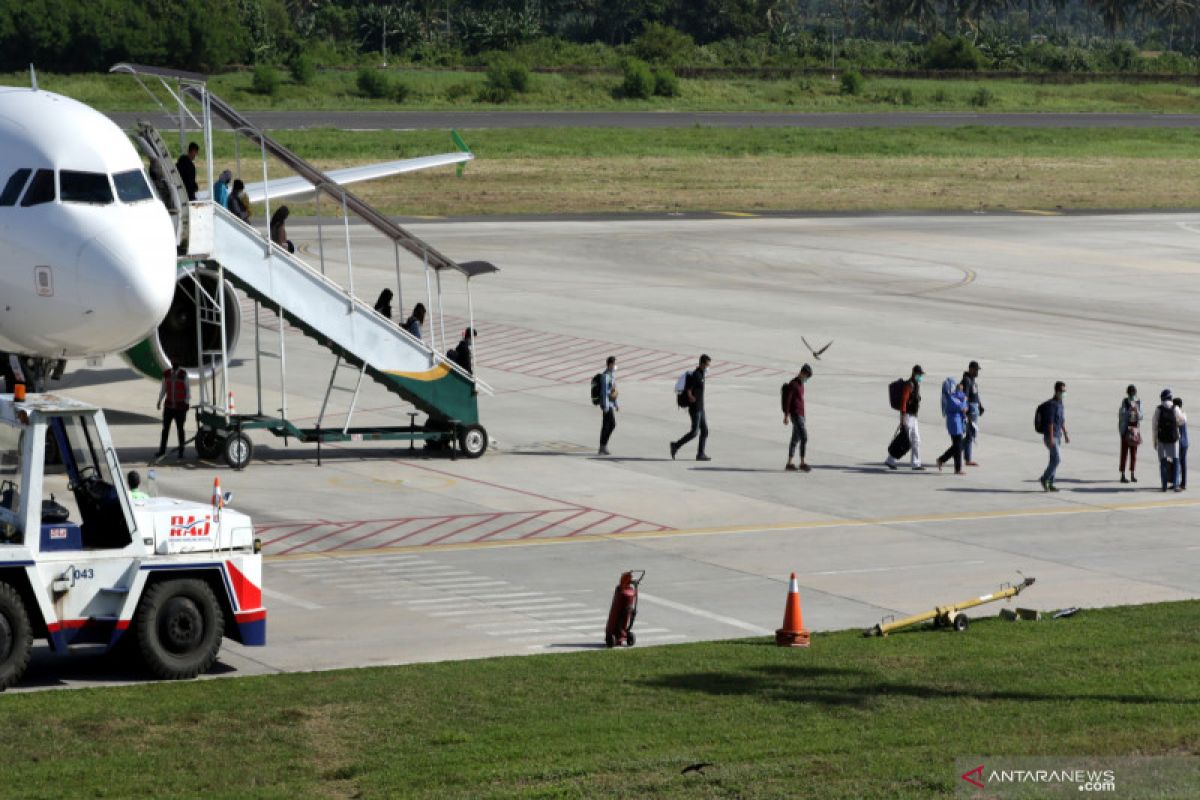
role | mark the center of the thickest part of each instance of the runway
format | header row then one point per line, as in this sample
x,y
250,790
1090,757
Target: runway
x,y
469,120
383,556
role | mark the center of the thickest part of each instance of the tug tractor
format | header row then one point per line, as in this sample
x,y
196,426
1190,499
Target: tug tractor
x,y
84,562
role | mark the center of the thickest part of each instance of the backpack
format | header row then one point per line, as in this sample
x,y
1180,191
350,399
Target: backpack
x,y
597,387
783,396
1042,417
896,393
1168,426
681,389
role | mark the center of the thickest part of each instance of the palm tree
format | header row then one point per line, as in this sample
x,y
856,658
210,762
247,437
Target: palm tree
x,y
1114,13
1173,13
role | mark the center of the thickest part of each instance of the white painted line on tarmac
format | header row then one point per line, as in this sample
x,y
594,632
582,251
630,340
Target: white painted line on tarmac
x,y
558,606
700,612
596,620
443,577
444,601
291,601
538,598
479,611
896,568
504,595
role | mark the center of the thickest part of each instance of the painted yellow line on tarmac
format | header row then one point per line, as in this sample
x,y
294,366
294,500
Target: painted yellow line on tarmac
x,y
739,214
1039,212
968,516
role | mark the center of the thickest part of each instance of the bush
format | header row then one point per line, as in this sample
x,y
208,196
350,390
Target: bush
x,y
853,82
956,53
982,97
399,91
662,44
666,83
457,91
639,81
505,78
303,69
265,80
373,83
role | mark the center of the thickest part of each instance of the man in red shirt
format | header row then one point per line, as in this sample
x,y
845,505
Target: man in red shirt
x,y
174,398
793,412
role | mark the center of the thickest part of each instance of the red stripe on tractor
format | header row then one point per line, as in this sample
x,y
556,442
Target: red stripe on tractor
x,y
250,616
248,595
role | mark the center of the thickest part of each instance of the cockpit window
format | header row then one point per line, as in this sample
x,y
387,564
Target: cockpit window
x,y
132,186
84,187
41,189
12,189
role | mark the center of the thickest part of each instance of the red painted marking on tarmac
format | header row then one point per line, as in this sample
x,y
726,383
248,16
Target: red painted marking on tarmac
x,y
349,526
392,526
578,513
592,525
467,527
304,527
525,518
430,526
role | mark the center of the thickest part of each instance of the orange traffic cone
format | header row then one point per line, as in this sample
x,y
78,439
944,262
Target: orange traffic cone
x,y
232,406
218,499
792,634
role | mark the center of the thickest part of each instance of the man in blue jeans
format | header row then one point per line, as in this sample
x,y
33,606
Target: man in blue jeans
x,y
1055,435
693,391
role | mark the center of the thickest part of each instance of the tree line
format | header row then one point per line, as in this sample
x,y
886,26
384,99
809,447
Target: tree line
x,y
211,35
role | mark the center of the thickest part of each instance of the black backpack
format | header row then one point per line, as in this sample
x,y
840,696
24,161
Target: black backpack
x,y
1168,426
1042,417
783,396
896,393
597,388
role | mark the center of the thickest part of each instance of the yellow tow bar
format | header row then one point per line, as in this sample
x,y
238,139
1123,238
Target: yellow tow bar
x,y
950,616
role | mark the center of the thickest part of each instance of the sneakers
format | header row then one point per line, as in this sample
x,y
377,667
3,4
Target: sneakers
x,y
1132,478
806,468
674,450
790,467
972,463
939,463
1123,478
1051,487
603,451
918,468
890,464
703,457
1045,484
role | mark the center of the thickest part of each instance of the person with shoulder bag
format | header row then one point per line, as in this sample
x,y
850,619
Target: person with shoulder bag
x,y
1129,419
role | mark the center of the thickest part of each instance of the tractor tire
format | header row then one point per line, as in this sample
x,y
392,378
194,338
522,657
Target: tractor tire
x,y
238,450
208,443
16,637
473,441
960,623
179,628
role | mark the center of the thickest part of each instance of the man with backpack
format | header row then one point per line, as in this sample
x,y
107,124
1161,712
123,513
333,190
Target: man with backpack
x,y
970,384
604,394
692,398
905,397
793,411
1167,423
1051,422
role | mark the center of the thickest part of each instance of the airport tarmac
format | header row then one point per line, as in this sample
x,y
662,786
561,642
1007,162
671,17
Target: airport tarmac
x,y
384,556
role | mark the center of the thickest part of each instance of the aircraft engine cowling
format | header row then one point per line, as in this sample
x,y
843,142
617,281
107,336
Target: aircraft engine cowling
x,y
175,339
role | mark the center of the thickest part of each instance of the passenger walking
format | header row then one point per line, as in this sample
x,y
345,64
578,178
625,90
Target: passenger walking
x,y
221,189
416,320
1183,443
239,204
177,394
692,398
186,166
793,412
1167,422
608,403
463,352
955,410
1129,424
383,304
1051,421
970,386
279,230
905,396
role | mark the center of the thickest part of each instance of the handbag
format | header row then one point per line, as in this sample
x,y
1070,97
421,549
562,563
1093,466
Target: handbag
x,y
1133,436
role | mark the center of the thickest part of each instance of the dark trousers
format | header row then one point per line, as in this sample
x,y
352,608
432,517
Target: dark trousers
x,y
699,425
608,426
1183,465
178,416
799,436
953,451
1129,450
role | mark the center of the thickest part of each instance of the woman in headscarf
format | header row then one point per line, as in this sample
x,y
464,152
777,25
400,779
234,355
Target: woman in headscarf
x,y
954,409
279,232
413,323
384,304
221,190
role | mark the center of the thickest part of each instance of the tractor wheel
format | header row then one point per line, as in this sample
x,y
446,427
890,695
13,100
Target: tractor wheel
x,y
16,637
960,623
179,628
208,443
473,440
238,450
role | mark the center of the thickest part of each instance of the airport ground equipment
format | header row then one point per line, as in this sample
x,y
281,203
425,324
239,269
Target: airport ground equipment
x,y
220,253
164,578
950,616
792,633
623,611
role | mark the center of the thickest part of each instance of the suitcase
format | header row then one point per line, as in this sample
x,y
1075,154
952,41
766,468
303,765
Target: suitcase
x,y
900,444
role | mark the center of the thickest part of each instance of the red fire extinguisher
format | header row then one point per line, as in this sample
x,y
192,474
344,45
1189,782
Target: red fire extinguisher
x,y
623,610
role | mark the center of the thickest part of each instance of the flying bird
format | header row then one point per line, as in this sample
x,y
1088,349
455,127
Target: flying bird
x,y
815,353
697,768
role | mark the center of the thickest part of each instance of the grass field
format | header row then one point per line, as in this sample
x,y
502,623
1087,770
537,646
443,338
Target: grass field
x,y
849,718
611,170
432,89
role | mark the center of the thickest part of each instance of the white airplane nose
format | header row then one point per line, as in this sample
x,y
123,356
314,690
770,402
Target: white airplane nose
x,y
128,282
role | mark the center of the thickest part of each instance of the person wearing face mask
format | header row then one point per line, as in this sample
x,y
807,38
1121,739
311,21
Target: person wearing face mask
x,y
1167,422
955,410
608,403
1183,443
793,412
909,406
1129,419
1053,420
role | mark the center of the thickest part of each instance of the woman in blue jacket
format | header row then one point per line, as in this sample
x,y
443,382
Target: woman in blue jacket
x,y
954,409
